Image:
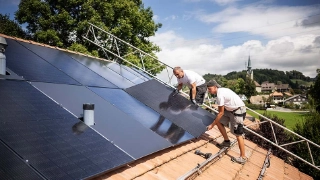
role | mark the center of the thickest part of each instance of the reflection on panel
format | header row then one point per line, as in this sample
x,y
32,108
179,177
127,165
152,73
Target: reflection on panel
x,y
27,64
51,139
128,73
177,109
12,167
143,114
111,122
122,80
70,66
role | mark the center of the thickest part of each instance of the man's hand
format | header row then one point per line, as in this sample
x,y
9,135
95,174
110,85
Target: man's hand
x,y
194,101
210,126
175,92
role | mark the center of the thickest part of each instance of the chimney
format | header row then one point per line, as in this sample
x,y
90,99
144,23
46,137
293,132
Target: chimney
x,y
3,46
88,114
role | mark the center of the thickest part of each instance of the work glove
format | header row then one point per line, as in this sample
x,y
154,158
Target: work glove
x,y
175,92
194,101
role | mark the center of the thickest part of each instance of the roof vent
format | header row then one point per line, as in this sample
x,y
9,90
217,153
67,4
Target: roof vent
x,y
3,46
88,114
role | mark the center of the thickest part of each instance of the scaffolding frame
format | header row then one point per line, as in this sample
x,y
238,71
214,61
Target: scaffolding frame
x,y
111,45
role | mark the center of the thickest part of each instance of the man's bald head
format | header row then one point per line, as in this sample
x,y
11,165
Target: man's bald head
x,y
178,72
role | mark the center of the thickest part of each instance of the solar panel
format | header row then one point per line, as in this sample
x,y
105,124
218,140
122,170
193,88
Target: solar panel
x,y
55,143
111,122
122,80
32,67
128,73
145,115
12,167
177,109
68,65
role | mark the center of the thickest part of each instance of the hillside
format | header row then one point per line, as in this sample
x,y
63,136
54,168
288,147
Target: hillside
x,y
294,78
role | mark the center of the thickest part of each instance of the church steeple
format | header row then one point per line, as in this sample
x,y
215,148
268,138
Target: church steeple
x,y
249,69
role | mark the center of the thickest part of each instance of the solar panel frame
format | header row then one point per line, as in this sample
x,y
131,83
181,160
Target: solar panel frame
x,y
32,67
46,142
111,122
144,114
69,65
177,108
123,80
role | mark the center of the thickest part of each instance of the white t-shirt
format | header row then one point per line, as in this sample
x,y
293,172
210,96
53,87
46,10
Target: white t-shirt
x,y
229,99
191,77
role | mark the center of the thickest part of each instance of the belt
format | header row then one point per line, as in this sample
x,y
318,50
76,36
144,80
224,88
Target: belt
x,y
236,109
240,115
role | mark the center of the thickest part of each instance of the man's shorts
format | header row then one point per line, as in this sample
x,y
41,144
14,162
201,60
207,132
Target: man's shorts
x,y
234,120
200,93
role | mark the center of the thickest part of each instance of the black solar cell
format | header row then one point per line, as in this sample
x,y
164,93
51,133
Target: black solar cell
x,y
111,122
145,115
175,108
49,143
68,65
13,167
32,67
122,80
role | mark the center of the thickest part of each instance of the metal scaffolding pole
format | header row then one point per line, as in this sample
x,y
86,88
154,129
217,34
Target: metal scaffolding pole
x,y
111,47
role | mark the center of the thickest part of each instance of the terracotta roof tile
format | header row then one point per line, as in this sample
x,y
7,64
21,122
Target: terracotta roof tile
x,y
276,169
304,176
291,172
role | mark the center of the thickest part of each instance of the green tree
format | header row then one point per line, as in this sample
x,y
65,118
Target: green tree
x,y
11,27
249,88
315,91
266,131
310,129
236,85
63,22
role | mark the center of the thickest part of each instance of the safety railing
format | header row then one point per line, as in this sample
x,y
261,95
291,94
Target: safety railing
x,y
111,45
278,144
266,165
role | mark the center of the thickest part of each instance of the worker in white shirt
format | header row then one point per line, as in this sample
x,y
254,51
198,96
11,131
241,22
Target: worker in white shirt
x,y
231,109
194,81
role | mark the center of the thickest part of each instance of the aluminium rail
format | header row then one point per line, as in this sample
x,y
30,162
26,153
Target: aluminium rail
x,y
111,46
266,165
213,157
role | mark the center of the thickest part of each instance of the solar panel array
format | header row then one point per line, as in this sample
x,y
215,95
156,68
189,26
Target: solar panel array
x,y
42,136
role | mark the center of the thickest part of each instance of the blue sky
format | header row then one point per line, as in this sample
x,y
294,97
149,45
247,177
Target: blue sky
x,y
217,36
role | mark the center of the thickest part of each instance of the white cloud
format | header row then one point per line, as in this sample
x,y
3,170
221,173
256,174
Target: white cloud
x,y
224,2
285,54
155,17
172,17
220,2
265,20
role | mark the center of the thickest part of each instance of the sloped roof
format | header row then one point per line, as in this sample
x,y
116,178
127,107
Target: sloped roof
x,y
172,161
258,98
295,96
276,94
257,84
288,94
283,86
176,161
266,86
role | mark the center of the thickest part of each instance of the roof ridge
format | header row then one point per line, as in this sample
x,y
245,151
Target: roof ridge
x,y
53,47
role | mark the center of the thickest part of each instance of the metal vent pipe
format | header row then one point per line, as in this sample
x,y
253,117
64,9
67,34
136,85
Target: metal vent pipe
x,y
88,114
3,46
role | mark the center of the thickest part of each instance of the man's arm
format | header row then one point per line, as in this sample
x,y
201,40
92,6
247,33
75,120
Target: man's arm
x,y
194,90
179,87
218,117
